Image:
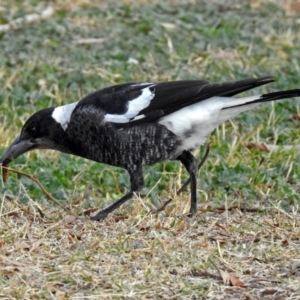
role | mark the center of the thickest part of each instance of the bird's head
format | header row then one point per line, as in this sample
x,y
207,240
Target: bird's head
x,y
41,131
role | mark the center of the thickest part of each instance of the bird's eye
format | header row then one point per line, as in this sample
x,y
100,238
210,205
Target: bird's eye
x,y
31,130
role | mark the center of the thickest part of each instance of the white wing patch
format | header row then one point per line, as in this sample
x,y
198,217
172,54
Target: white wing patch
x,y
134,106
62,114
193,124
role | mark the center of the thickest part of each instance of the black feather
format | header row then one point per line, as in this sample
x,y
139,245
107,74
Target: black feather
x,y
113,100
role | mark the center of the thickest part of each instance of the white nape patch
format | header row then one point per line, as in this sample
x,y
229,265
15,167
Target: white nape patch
x,y
62,114
134,106
194,123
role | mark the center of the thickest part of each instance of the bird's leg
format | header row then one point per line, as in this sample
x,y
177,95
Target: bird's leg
x,y
137,183
190,163
184,186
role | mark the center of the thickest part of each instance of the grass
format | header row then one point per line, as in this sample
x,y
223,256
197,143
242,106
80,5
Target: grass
x,y
248,223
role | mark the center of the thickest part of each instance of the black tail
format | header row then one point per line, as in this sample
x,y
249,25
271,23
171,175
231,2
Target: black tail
x,y
269,97
279,95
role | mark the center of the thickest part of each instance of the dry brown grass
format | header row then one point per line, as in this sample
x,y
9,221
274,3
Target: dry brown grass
x,y
149,256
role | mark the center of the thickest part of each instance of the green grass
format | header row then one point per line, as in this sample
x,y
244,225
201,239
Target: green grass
x,y
44,64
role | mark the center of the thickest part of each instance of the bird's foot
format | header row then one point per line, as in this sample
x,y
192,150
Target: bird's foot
x,y
192,213
100,216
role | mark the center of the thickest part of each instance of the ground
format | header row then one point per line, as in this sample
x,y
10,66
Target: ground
x,y
244,241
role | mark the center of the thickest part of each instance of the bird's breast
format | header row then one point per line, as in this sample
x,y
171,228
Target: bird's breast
x,y
127,147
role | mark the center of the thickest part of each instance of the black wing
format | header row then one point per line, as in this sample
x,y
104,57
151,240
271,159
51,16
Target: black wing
x,y
136,103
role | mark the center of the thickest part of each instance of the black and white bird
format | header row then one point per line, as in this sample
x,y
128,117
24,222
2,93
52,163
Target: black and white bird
x,y
137,124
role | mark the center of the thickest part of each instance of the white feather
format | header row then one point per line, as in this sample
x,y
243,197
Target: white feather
x,y
195,122
62,114
134,106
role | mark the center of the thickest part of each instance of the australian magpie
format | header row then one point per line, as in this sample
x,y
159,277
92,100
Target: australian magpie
x,y
137,124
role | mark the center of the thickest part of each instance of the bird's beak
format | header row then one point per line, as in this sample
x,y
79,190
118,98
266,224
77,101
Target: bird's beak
x,y
18,147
